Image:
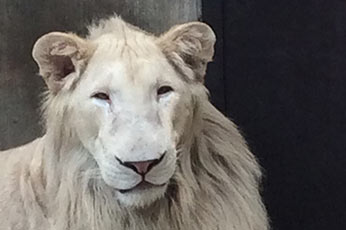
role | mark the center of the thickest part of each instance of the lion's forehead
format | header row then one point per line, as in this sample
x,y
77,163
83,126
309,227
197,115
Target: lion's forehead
x,y
121,75
123,65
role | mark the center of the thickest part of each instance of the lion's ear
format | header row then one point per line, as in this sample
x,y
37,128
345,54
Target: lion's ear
x,y
189,46
60,58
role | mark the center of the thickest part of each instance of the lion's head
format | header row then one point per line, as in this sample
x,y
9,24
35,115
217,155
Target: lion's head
x,y
127,98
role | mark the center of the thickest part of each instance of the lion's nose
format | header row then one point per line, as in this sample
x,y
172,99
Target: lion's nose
x,y
142,167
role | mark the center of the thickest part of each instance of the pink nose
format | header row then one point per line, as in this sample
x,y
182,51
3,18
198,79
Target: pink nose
x,y
142,167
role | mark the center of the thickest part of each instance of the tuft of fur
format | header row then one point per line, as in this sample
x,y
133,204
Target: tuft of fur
x,y
53,183
113,25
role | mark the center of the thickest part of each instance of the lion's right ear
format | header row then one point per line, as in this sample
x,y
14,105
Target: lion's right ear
x,y
189,47
60,57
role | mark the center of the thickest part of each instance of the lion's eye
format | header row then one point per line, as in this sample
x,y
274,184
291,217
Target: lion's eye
x,y
101,96
164,89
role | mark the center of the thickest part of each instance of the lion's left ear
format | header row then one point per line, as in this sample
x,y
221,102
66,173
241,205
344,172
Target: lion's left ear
x,y
189,47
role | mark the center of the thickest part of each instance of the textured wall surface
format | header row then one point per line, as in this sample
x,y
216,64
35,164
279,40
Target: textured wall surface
x,y
22,22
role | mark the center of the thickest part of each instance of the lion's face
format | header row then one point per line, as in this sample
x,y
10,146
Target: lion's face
x,y
128,107
129,99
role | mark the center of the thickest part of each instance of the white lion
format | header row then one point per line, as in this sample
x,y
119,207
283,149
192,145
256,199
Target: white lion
x,y
131,141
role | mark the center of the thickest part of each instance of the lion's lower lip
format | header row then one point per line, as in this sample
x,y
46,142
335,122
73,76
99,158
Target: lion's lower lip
x,y
141,186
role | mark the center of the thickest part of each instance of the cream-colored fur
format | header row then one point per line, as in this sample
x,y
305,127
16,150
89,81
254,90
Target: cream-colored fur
x,y
62,180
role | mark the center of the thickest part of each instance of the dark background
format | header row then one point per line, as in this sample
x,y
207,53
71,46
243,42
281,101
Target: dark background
x,y
280,74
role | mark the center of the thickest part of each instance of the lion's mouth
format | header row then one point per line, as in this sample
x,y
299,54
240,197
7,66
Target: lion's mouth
x,y
144,185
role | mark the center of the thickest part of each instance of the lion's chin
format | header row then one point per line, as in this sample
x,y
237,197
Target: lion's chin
x,y
141,196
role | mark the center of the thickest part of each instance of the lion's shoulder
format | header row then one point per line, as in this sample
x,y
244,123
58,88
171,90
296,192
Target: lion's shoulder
x,y
15,159
15,165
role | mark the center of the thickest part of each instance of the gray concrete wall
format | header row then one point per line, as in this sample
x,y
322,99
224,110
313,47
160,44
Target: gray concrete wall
x,y
23,21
